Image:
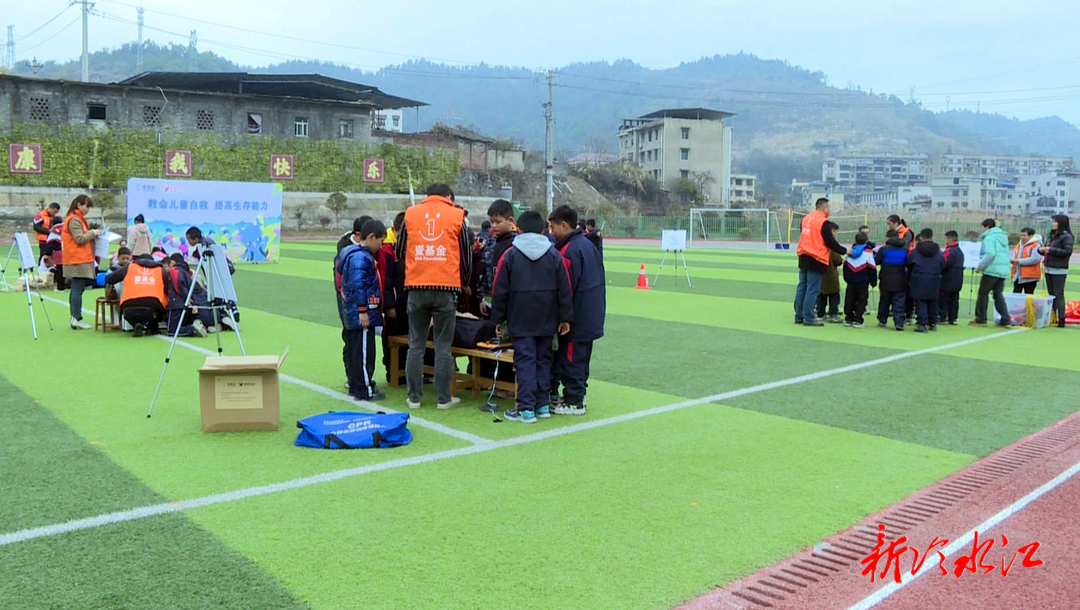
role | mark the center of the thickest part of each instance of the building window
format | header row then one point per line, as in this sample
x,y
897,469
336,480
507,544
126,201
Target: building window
x,y
151,116
686,133
301,127
39,109
254,122
95,112
204,120
955,193
641,157
345,128
749,182
684,174
650,136
738,182
397,122
684,154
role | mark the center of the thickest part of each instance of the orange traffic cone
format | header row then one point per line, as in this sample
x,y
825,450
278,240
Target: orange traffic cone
x,y
642,279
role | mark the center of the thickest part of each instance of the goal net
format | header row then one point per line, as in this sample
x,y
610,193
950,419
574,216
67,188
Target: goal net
x,y
849,226
726,224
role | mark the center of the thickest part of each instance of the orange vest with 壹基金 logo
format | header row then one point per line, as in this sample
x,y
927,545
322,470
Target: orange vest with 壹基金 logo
x,y
1027,272
143,282
433,254
811,242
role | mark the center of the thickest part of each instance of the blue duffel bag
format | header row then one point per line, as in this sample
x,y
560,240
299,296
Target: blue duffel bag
x,y
352,430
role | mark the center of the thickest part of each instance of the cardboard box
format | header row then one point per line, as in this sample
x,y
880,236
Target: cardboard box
x,y
240,393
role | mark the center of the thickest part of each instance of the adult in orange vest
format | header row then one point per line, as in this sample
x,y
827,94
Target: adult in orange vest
x,y
143,301
42,222
906,234
815,243
435,244
1026,262
79,265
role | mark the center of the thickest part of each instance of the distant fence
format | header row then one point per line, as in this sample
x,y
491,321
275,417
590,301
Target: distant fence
x,y
751,226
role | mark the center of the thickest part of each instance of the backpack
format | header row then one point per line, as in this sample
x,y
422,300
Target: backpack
x,y
352,430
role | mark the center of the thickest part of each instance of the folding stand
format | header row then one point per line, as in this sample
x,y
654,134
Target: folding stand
x,y
674,267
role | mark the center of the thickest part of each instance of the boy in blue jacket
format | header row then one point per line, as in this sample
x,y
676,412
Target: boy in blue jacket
x,y
361,309
588,287
531,294
891,261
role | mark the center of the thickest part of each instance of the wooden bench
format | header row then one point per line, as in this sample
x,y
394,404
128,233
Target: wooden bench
x,y
474,381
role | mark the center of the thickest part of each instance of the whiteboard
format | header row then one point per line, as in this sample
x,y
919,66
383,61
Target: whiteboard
x,y
26,254
223,284
673,240
972,253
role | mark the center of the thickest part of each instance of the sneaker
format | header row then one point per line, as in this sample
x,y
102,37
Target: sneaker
x,y
858,325
211,329
79,325
543,412
568,409
140,330
524,416
848,324
951,322
920,329
376,396
346,384
835,319
412,405
200,328
909,321
977,323
227,322
900,327
814,323
454,401
798,320
882,325
933,328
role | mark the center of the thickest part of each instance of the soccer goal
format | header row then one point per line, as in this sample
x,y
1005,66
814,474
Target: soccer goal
x,y
849,225
732,224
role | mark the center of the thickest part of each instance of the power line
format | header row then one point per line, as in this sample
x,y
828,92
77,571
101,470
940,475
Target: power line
x,y
23,52
38,28
293,38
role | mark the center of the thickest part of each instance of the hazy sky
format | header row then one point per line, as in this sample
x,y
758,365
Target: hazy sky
x,y
1020,59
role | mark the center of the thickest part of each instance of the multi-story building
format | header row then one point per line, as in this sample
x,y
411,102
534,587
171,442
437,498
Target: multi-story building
x,y
1002,166
900,198
389,119
1051,192
228,105
867,173
972,193
743,187
681,143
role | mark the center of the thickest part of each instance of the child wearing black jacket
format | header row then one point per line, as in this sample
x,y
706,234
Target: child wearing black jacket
x,y
891,260
925,264
531,294
952,280
860,273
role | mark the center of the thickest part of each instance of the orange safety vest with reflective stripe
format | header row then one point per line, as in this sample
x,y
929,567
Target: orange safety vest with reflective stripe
x,y
1027,272
76,254
432,233
45,219
144,282
903,230
811,242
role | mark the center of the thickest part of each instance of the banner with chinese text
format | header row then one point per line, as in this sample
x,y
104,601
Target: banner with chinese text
x,y
244,217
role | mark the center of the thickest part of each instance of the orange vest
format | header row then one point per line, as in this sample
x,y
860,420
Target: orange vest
x,y
432,233
1027,272
45,219
811,242
903,230
144,282
75,254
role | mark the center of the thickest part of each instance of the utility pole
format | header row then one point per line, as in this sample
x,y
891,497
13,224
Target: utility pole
x,y
549,152
193,53
138,50
85,41
9,52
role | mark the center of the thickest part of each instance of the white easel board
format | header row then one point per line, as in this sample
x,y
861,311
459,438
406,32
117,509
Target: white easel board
x,y
26,253
972,253
673,240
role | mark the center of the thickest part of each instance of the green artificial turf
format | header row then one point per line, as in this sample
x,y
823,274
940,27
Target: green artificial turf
x,y
642,514
50,474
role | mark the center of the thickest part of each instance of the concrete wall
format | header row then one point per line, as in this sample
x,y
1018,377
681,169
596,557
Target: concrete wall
x,y
126,107
18,204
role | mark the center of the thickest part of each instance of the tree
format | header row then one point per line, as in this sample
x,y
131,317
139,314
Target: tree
x,y
688,191
298,213
104,201
702,180
337,203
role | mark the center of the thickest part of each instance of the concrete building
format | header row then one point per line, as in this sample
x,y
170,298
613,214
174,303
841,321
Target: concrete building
x,y
1051,192
803,195
1002,166
743,188
681,143
230,106
478,152
853,174
390,119
971,193
905,198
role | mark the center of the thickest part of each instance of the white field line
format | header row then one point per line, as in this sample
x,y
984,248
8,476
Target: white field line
x,y
250,492
906,577
370,406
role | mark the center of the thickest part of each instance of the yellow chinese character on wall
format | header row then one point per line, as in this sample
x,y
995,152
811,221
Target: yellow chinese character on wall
x,y
373,171
27,160
282,167
178,164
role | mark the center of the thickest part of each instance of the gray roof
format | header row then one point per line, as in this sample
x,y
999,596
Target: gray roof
x,y
303,86
704,114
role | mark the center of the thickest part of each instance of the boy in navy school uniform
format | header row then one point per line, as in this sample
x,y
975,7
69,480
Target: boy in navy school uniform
x,y
925,264
531,294
361,309
891,260
588,287
952,279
